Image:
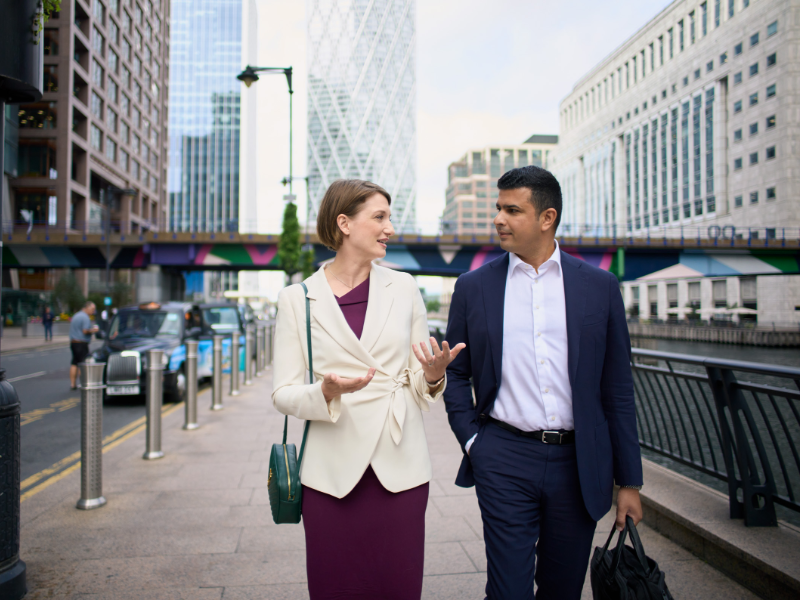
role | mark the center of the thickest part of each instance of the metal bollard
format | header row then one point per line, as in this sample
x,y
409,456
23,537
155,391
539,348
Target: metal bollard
x,y
92,436
12,569
155,398
216,374
270,334
248,353
259,350
235,352
191,385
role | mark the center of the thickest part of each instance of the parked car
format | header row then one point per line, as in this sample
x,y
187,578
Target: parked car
x,y
136,329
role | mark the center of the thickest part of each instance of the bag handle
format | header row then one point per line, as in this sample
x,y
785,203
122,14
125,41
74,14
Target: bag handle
x,y
630,528
310,377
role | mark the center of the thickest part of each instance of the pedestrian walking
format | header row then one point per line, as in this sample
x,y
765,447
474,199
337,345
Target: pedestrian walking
x,y
47,321
551,426
366,466
80,334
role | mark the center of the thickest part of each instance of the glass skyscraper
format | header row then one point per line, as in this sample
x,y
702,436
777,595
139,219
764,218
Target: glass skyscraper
x,y
204,115
362,98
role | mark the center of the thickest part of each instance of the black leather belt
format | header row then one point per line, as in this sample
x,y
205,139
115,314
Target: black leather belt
x,y
558,436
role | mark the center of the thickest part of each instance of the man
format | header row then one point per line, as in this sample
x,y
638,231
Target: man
x,y
47,321
553,425
80,334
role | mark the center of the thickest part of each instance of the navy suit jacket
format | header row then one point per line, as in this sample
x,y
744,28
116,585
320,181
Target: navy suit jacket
x,y
606,438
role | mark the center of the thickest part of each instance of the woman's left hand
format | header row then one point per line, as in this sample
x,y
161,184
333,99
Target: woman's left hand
x,y
434,365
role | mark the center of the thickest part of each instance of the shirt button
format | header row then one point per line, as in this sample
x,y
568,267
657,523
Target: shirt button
x,y
552,418
541,362
536,306
546,390
539,334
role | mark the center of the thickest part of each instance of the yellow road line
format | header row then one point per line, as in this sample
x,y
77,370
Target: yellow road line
x,y
111,441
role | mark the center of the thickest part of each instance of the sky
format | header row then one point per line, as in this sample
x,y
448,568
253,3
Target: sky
x,y
487,73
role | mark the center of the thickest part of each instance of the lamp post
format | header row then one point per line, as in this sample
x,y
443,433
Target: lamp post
x,y
250,75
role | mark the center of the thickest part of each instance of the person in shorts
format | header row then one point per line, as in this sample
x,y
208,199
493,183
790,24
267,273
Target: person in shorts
x,y
80,334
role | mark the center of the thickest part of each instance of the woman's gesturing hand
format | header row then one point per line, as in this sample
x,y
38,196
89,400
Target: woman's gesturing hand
x,y
333,385
434,365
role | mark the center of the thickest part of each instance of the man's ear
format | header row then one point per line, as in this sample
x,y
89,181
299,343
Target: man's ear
x,y
547,219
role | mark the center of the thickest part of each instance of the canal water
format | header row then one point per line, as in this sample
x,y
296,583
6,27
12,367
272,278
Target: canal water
x,y
789,357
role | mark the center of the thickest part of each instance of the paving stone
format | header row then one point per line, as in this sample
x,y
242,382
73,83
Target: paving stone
x,y
446,558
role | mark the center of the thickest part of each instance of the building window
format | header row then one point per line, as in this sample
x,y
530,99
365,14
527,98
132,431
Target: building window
x,y
696,151
737,106
770,152
111,150
737,164
704,18
753,128
671,44
674,88
680,35
111,120
113,31
737,49
719,293
710,148
124,131
96,105
754,99
723,58
753,197
748,292
772,29
770,122
112,90
709,66
772,60
50,42
97,41
754,40
753,69
96,138
737,202
737,135
771,90
97,73
730,8
754,158
771,193
737,78
652,298
697,74
687,208
685,81
99,11
716,13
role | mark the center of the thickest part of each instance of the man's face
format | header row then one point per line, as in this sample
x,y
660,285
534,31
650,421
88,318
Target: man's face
x,y
517,223
90,310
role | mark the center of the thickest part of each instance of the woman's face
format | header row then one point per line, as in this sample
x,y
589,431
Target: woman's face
x,y
368,232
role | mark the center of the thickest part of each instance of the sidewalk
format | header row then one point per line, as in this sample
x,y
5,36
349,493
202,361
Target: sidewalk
x,y
12,340
196,524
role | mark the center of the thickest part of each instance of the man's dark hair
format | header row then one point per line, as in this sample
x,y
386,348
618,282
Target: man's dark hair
x,y
545,191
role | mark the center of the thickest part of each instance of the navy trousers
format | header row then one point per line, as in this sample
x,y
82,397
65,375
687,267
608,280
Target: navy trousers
x,y
529,492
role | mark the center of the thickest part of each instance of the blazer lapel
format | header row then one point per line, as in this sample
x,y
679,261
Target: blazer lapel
x,y
494,296
378,308
575,290
325,311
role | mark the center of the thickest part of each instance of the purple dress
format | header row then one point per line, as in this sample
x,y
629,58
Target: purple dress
x,y
371,543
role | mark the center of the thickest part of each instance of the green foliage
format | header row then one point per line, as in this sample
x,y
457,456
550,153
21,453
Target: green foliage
x,y
433,305
48,8
68,293
307,260
289,245
121,294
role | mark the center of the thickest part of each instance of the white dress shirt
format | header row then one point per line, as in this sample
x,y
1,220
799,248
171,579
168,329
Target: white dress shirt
x,y
535,393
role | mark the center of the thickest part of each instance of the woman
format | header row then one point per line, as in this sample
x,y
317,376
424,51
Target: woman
x,y
366,466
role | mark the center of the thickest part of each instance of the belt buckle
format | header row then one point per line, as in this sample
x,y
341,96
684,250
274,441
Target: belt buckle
x,y
545,433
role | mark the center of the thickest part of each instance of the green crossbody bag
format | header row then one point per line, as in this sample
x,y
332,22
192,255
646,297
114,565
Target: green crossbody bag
x,y
285,491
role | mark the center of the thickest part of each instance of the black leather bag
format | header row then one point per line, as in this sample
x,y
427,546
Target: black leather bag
x,y
626,573
283,485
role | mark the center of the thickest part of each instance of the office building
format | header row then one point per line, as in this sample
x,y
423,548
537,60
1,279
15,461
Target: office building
x,y
100,125
472,182
361,99
688,124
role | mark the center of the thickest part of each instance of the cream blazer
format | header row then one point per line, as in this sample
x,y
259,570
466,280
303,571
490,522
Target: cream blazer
x,y
380,425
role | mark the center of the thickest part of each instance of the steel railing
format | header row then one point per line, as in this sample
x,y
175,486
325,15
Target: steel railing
x,y
697,412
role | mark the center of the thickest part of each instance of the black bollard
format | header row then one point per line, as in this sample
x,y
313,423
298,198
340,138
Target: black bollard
x,y
12,569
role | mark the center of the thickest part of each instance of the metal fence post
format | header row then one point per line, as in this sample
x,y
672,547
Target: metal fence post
x,y
235,352
259,350
191,385
270,334
248,354
155,398
216,374
92,436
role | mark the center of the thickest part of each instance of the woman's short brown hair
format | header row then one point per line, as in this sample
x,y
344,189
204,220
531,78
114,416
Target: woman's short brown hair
x,y
343,197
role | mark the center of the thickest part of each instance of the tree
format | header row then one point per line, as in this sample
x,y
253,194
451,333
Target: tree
x,y
121,294
307,260
68,293
433,305
289,245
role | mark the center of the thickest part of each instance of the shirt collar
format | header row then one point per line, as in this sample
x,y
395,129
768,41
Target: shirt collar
x,y
515,261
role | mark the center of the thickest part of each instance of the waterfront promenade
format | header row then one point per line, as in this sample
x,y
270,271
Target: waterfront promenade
x,y
196,524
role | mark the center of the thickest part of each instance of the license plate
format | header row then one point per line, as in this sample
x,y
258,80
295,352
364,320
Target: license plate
x,y
122,390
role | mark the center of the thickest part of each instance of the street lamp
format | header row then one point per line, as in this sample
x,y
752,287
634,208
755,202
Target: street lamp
x,y
250,75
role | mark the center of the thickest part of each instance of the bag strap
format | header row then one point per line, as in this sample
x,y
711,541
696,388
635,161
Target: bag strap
x,y
310,368
618,550
310,376
637,544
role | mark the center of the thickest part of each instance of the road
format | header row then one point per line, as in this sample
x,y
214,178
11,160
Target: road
x,y
50,412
